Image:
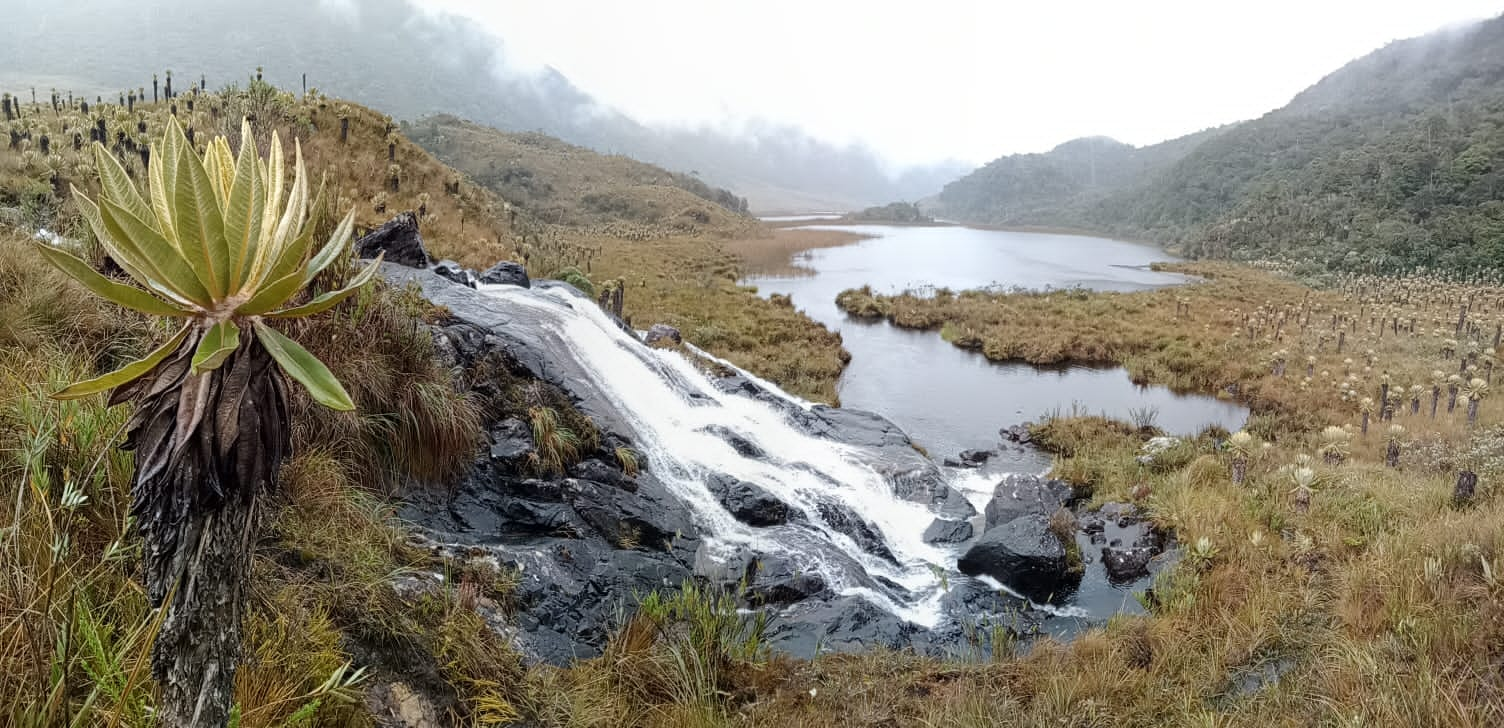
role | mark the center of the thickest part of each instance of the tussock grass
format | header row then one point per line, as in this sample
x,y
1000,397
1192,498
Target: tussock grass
x,y
773,253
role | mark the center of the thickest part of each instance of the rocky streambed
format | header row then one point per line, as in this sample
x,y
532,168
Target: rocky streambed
x,y
827,520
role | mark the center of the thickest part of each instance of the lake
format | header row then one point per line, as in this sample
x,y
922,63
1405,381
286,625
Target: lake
x,y
949,399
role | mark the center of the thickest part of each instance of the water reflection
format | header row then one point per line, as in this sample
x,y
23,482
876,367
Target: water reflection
x,y
949,399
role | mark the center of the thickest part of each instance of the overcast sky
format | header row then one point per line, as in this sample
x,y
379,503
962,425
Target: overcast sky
x,y
964,79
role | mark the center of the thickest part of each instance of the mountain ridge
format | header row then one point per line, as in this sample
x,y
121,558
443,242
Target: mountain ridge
x,y
1392,162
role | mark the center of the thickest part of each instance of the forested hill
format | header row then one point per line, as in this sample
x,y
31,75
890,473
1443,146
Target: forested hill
x,y
1059,186
1392,162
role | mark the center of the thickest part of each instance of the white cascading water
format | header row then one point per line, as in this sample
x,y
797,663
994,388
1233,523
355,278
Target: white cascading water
x,y
674,408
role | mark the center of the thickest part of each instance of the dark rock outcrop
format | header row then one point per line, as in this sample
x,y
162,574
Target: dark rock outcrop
x,y
662,335
649,518
1026,557
1017,434
776,580
1019,495
945,530
399,239
594,469
742,446
845,624
749,503
842,520
975,458
455,272
1132,542
1125,565
507,273
510,443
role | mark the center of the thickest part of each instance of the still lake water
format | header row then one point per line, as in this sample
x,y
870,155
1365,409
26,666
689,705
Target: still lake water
x,y
949,399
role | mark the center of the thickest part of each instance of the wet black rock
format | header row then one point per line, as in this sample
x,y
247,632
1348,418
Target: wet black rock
x,y
843,520
1019,495
507,273
570,592
744,447
1018,434
747,502
1026,557
844,624
511,442
455,272
776,580
945,530
1132,541
975,458
595,470
662,335
399,239
987,610
1126,564
648,519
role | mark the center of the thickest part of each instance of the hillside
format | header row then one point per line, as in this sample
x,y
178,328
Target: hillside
x,y
1057,187
368,166
411,62
564,184
1394,161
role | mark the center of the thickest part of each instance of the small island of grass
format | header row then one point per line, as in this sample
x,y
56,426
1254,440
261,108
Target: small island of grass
x,y
907,213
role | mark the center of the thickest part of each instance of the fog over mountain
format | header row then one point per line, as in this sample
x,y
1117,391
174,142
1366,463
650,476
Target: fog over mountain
x,y
410,64
1394,161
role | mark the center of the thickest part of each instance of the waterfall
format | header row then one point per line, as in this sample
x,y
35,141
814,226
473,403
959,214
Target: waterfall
x,y
679,419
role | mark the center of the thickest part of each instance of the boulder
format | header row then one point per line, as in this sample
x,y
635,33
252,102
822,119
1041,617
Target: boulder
x,y
944,530
399,239
844,624
777,580
1026,557
649,518
595,470
1132,542
507,273
455,272
842,519
1019,495
662,335
511,443
975,458
1126,564
747,502
1016,434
